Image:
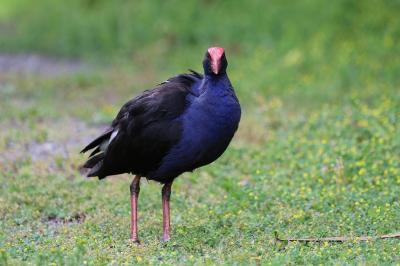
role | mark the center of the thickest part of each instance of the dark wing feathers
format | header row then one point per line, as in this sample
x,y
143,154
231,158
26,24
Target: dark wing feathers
x,y
187,80
96,142
93,160
145,129
95,151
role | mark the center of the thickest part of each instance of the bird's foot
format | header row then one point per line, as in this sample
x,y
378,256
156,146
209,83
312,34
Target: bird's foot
x,y
165,239
135,240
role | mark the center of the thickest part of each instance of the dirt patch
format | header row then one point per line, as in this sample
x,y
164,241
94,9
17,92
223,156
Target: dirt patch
x,y
64,139
77,218
38,65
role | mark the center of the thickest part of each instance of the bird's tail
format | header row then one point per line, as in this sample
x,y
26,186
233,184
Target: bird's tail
x,y
92,166
98,141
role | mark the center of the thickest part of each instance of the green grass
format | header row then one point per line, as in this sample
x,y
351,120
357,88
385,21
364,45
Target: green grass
x,y
329,169
317,152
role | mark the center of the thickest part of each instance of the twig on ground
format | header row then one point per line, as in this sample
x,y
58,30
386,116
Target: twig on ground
x,y
336,238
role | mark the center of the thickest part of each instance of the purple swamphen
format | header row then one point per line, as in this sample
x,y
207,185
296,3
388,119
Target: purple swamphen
x,y
183,123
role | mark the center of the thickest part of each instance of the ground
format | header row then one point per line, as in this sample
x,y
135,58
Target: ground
x,y
302,164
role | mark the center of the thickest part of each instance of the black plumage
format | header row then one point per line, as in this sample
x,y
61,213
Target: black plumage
x,y
146,129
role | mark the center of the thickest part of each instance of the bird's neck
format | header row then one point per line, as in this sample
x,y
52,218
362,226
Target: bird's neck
x,y
216,78
215,84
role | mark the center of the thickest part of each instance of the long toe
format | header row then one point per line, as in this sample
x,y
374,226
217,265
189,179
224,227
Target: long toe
x,y
135,241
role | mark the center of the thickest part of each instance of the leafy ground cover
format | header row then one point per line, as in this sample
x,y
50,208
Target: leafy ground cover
x,y
317,152
328,170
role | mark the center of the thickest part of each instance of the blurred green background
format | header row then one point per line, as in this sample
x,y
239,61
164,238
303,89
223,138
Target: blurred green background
x,y
296,46
316,154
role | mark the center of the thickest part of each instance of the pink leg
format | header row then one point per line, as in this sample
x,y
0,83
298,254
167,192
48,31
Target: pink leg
x,y
166,193
135,188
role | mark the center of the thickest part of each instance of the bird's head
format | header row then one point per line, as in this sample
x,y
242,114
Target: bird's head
x,y
215,61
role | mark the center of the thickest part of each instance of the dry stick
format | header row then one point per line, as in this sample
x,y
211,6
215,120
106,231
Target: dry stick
x,y
337,238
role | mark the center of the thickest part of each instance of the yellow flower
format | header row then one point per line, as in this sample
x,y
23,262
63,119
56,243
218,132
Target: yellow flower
x,y
362,171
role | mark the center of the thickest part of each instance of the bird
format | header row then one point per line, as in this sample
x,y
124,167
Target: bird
x,y
178,126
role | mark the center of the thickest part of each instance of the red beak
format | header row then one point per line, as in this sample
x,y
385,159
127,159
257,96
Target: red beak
x,y
216,54
215,64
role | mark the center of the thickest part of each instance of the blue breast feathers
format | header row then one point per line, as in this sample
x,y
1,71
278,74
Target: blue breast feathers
x,y
209,124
